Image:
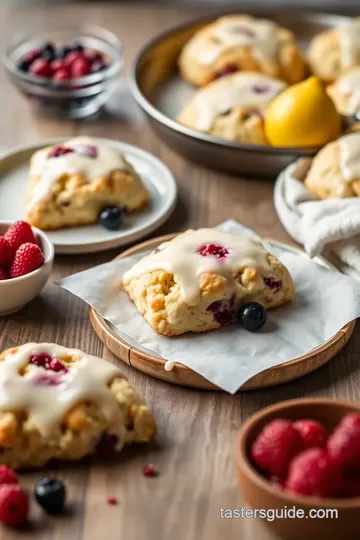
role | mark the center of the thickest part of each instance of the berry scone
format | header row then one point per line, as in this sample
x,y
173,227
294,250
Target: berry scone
x,y
60,403
335,51
71,183
345,92
197,281
335,170
241,43
233,107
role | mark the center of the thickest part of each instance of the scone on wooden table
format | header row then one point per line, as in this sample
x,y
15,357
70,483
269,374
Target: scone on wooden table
x,y
60,403
335,170
233,107
333,52
197,281
241,43
71,183
345,92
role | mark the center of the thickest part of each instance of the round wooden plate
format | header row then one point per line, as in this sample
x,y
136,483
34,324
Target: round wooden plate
x,y
154,365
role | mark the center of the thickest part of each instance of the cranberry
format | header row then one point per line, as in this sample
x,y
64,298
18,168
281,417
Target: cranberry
x,y
273,284
41,379
245,30
32,55
106,446
61,75
41,68
261,88
59,151
226,70
71,57
80,67
87,150
223,310
47,361
214,250
149,470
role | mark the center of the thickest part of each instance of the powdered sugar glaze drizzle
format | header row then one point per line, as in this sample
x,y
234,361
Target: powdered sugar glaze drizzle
x,y
89,158
85,380
181,258
350,156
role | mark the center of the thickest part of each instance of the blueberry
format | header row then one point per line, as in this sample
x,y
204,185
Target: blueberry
x,y
48,52
252,316
63,51
23,65
50,493
111,218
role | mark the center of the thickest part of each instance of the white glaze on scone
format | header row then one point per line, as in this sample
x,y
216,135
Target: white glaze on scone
x,y
108,159
350,156
181,258
87,380
345,92
258,34
349,36
245,90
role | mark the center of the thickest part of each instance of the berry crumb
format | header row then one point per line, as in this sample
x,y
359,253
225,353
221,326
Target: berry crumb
x,y
149,470
112,501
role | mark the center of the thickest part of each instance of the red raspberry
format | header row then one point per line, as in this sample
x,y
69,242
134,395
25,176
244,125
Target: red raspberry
x,y
344,443
352,486
313,472
58,64
32,55
62,74
6,251
275,446
80,67
4,274
7,475
313,434
14,505
19,233
71,57
28,258
41,68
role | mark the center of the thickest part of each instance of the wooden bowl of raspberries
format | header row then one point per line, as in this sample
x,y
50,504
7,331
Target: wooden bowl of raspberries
x,y
298,465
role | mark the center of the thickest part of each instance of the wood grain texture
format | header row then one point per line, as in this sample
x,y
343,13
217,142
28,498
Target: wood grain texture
x,y
194,451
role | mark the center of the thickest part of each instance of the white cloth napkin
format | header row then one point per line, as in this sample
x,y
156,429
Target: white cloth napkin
x,y
330,228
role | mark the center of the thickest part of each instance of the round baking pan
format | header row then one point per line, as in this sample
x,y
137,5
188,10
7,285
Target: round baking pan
x,y
160,92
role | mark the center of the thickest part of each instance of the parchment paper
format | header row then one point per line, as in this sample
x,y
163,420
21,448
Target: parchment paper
x,y
325,302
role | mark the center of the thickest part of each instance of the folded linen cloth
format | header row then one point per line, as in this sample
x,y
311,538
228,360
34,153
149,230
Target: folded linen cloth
x,y
328,227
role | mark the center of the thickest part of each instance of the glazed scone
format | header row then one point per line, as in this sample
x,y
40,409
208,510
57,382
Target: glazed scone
x,y
345,92
241,43
71,183
233,107
59,403
335,170
197,281
333,52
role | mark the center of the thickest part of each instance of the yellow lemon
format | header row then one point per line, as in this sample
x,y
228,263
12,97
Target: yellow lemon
x,y
302,115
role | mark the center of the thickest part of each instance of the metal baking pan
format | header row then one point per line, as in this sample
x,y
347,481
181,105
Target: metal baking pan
x,y
160,92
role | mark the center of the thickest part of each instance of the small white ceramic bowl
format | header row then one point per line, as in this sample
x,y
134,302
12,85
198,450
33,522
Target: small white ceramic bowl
x,y
16,293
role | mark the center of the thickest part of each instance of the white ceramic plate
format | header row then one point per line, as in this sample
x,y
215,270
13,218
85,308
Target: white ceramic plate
x,y
14,170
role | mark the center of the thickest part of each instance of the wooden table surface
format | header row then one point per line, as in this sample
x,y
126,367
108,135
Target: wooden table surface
x,y
194,450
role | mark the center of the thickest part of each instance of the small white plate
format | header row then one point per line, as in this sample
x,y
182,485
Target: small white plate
x,y
14,172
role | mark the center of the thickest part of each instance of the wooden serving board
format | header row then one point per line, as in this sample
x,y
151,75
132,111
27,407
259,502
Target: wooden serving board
x,y
154,366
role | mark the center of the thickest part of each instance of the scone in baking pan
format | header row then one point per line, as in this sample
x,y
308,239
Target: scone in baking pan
x,y
161,93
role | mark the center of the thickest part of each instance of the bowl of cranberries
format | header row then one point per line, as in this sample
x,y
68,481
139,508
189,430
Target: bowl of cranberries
x,y
26,261
69,73
299,462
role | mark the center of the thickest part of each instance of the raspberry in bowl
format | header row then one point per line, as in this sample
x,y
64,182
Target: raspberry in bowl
x,y
69,73
26,260
303,454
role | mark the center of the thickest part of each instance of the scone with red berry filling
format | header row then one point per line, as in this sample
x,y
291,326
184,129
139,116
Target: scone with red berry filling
x,y
197,281
60,403
233,108
241,43
71,183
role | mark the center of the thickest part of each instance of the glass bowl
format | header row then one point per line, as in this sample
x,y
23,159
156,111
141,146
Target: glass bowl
x,y
78,97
